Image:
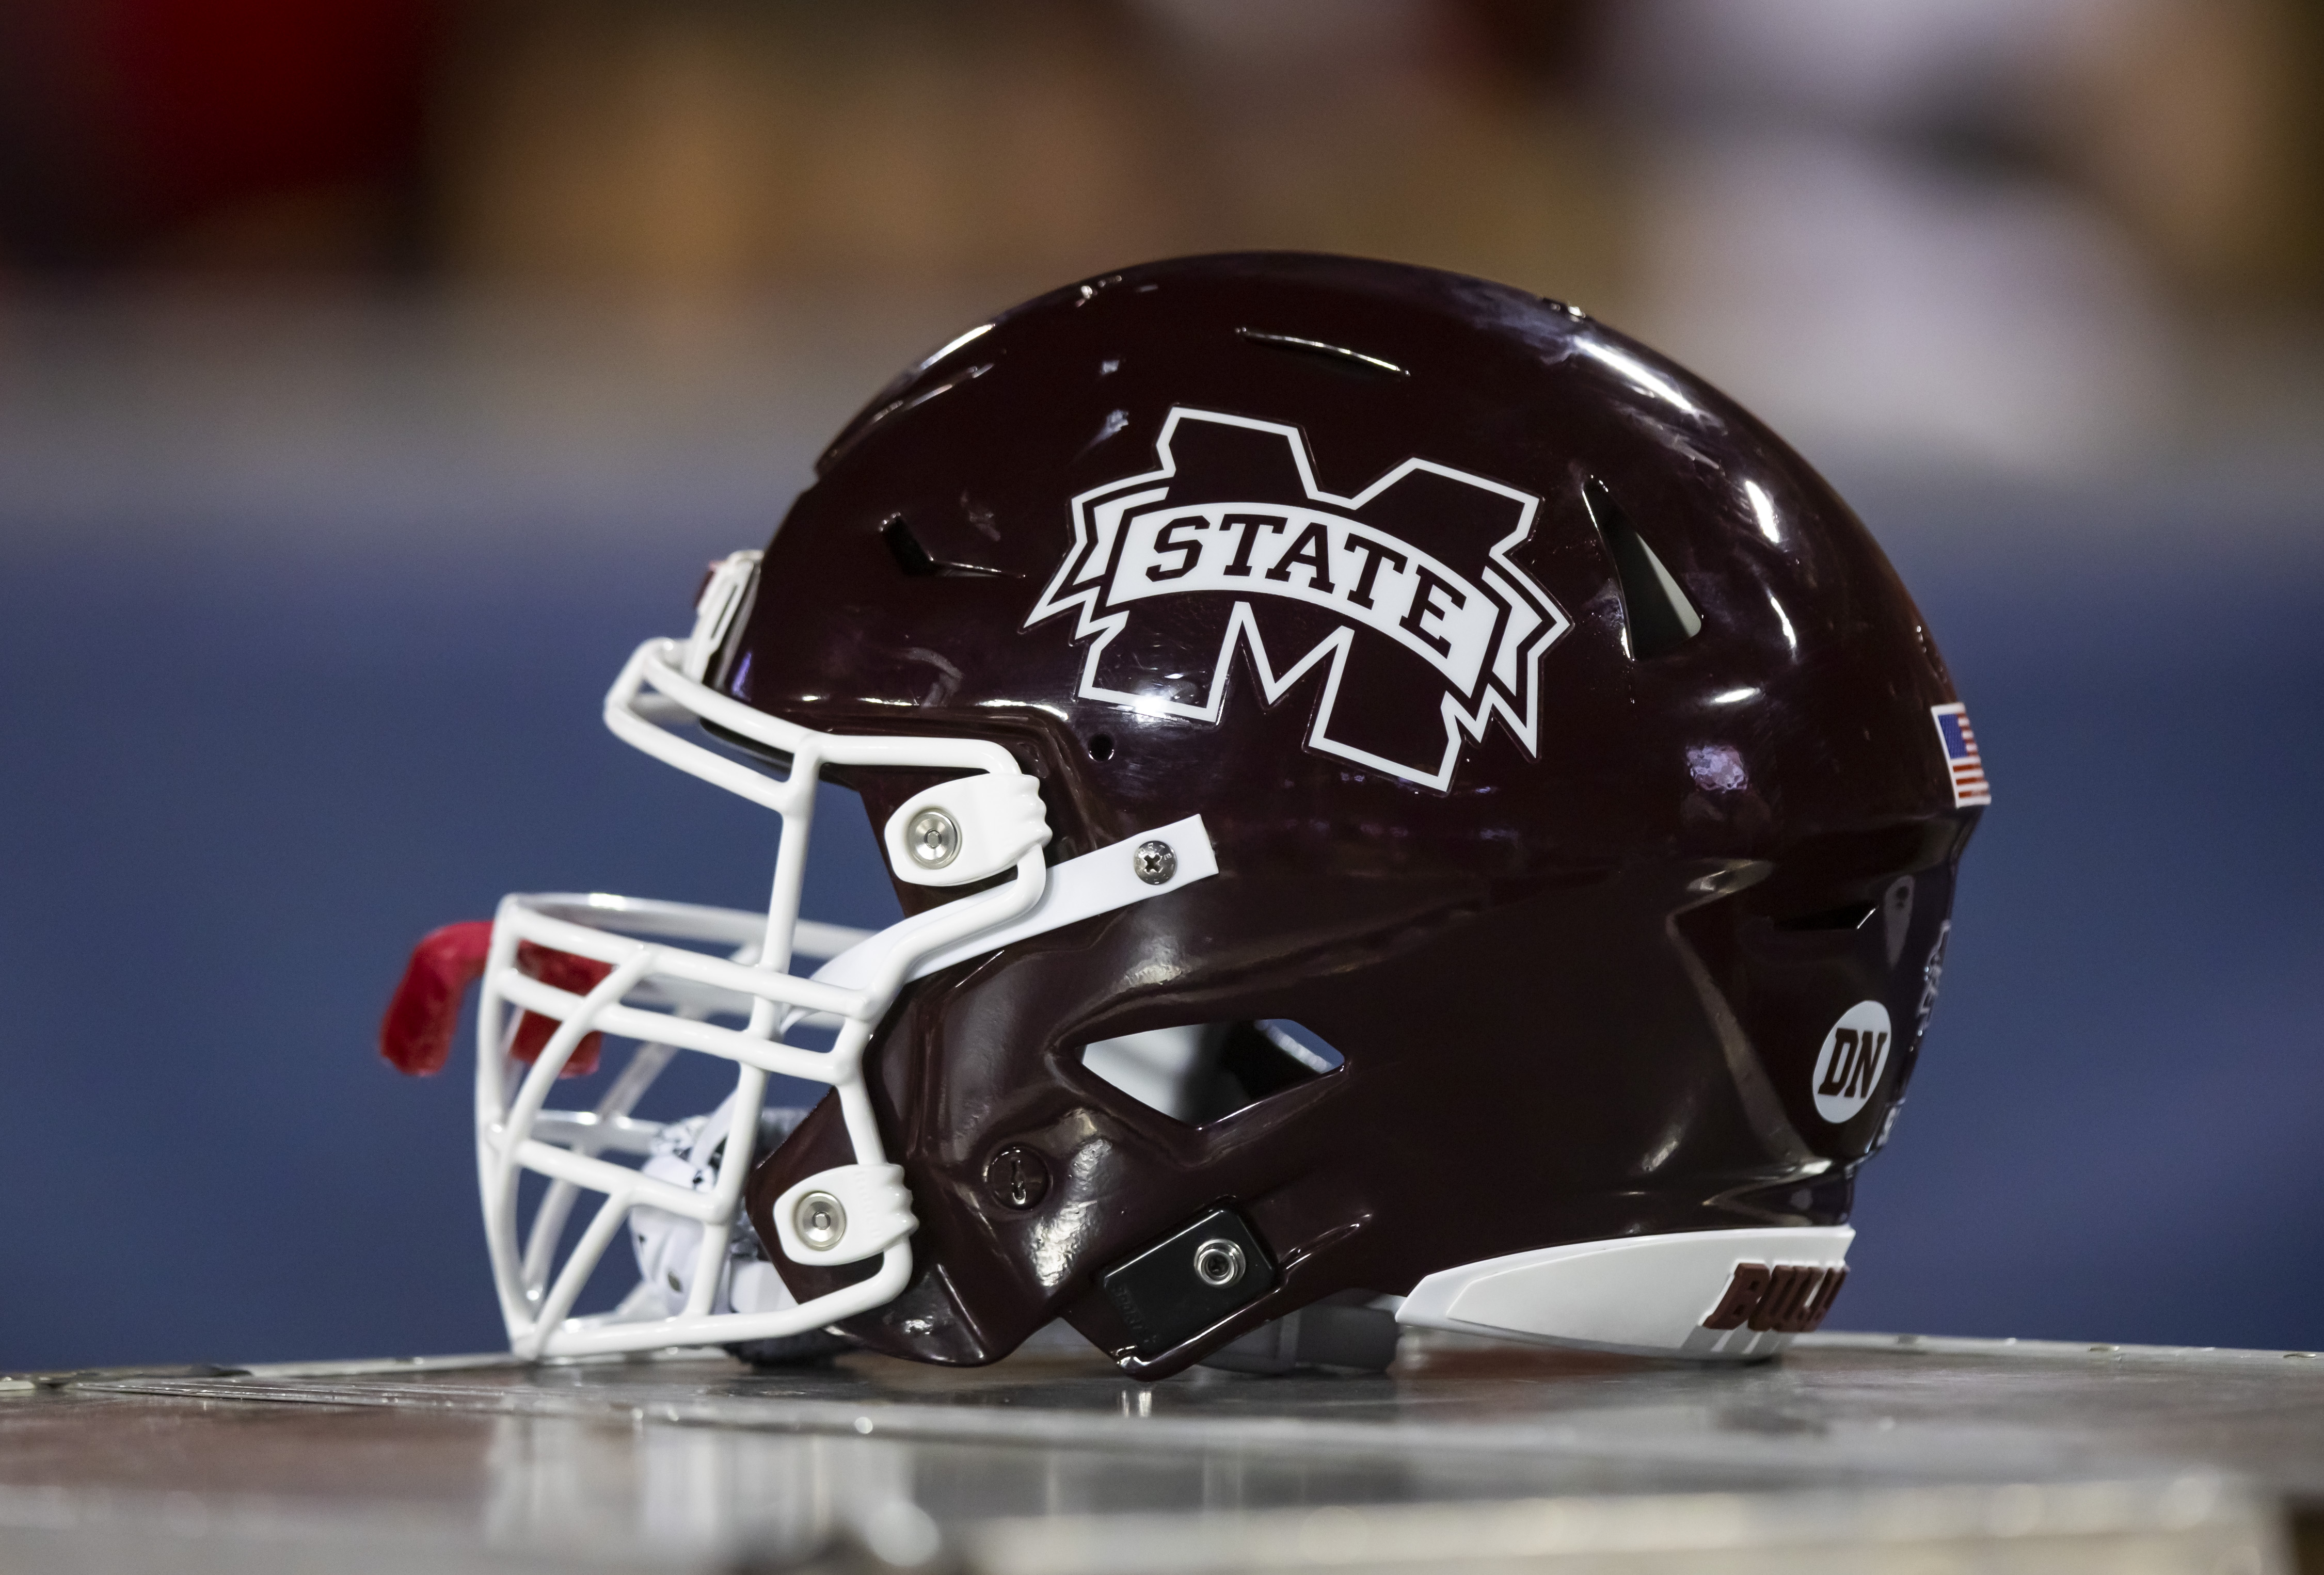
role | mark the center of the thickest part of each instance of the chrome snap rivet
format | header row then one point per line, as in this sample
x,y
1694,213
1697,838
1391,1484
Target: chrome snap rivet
x,y
932,838
1154,862
1018,1176
819,1219
1218,1263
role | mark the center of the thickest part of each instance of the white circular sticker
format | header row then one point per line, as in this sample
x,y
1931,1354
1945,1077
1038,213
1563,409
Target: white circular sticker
x,y
1854,1055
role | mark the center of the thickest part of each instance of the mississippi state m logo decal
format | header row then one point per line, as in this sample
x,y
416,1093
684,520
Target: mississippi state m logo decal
x,y
1403,594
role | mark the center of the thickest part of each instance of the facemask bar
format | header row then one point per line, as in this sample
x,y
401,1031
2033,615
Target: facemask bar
x,y
662,994
610,1126
517,1132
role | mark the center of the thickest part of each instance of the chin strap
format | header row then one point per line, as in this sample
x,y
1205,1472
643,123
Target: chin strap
x,y
687,1154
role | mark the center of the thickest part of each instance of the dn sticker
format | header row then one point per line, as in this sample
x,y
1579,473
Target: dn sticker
x,y
1855,1053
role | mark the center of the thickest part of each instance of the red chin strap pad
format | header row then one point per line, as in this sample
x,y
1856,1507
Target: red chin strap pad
x,y
416,1035
579,975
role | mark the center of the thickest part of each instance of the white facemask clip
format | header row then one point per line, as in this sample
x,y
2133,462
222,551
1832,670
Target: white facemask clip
x,y
967,830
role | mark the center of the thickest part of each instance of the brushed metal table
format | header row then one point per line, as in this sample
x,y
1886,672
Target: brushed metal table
x,y
1857,1452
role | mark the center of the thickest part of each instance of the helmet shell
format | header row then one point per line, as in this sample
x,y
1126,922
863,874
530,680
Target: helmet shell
x,y
1575,856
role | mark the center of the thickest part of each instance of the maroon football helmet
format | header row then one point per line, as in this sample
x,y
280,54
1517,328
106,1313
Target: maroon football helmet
x,y
1526,804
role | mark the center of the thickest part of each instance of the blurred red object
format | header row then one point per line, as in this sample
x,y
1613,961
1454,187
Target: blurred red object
x,y
223,100
416,1035
133,122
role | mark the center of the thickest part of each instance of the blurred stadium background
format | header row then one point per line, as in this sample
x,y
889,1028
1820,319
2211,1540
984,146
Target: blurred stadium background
x,y
375,373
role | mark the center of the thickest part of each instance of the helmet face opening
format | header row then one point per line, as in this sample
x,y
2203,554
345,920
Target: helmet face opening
x,y
1403,800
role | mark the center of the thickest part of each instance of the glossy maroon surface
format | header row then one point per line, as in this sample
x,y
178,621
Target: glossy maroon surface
x,y
1580,989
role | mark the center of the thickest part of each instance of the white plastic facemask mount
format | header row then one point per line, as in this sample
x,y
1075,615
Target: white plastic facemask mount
x,y
673,968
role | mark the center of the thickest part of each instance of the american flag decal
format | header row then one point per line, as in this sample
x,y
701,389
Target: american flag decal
x,y
1968,767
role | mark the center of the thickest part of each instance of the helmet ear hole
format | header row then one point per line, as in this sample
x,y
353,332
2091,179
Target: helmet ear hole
x,y
1201,1073
1309,1048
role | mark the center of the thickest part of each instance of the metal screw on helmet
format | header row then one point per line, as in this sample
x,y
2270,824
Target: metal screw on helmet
x,y
819,1219
1154,862
1018,1178
1218,1264
932,838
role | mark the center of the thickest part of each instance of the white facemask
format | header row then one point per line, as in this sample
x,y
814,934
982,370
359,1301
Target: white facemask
x,y
676,970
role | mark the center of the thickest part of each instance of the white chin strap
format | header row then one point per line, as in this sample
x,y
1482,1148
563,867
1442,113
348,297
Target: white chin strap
x,y
674,970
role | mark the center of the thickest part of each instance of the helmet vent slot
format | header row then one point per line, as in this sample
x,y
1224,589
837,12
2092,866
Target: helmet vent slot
x,y
909,555
918,562
1202,1072
1848,915
1337,356
1656,616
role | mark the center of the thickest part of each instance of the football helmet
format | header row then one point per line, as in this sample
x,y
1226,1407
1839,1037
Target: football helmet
x,y
1410,810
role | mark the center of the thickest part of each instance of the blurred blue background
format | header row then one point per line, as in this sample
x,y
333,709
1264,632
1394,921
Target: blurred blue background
x,y
241,780
333,489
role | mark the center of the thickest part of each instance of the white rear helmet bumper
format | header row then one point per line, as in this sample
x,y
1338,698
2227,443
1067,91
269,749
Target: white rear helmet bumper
x,y
1688,1293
